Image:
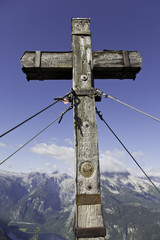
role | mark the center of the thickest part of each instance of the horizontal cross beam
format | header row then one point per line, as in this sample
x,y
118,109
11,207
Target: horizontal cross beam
x,y
58,65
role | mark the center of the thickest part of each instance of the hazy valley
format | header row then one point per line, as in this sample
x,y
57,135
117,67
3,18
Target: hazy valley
x,y
131,206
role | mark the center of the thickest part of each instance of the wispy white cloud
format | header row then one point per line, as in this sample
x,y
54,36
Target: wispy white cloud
x,y
35,169
61,153
9,165
69,141
69,171
3,145
109,161
139,155
47,164
51,166
150,171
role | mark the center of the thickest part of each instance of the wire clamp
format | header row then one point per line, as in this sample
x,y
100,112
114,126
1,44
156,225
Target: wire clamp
x,y
100,93
66,99
63,113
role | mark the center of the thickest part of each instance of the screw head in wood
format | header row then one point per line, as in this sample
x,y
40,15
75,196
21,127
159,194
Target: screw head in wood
x,y
89,186
84,77
86,124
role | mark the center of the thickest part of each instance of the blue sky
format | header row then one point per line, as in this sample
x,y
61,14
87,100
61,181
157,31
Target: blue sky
x,y
46,26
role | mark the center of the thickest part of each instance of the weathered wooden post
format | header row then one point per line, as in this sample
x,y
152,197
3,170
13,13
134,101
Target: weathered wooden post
x,y
83,66
88,216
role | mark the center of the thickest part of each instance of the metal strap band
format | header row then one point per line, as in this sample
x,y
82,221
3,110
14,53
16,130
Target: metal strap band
x,y
38,59
90,232
126,59
82,33
88,199
88,92
85,92
127,64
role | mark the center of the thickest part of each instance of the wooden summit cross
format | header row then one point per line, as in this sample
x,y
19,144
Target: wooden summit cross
x,y
82,65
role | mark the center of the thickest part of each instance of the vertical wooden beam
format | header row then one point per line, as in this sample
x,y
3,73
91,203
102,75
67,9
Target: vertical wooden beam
x,y
88,215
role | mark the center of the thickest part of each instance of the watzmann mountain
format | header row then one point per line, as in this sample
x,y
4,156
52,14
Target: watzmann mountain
x,y
131,206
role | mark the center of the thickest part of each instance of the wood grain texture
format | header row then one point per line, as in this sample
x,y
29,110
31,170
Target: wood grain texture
x,y
58,65
111,65
53,65
85,128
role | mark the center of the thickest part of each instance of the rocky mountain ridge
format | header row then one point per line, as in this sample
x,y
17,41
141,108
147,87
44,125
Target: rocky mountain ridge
x,y
47,200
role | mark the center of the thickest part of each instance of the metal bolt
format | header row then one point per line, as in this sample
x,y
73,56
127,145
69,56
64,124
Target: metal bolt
x,y
84,77
86,124
89,186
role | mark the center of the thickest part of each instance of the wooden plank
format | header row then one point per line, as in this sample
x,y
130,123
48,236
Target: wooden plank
x,y
77,28
48,59
85,131
58,65
53,65
115,59
111,65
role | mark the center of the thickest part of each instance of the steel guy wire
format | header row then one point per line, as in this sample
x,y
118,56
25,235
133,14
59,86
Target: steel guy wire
x,y
57,100
101,117
62,114
113,98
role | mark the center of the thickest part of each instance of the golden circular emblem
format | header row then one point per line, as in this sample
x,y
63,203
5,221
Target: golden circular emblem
x,y
87,169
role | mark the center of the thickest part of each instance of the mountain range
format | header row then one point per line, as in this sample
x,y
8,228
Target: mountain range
x,y
131,206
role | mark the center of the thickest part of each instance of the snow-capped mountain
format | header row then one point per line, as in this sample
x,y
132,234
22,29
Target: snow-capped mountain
x,y
131,206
